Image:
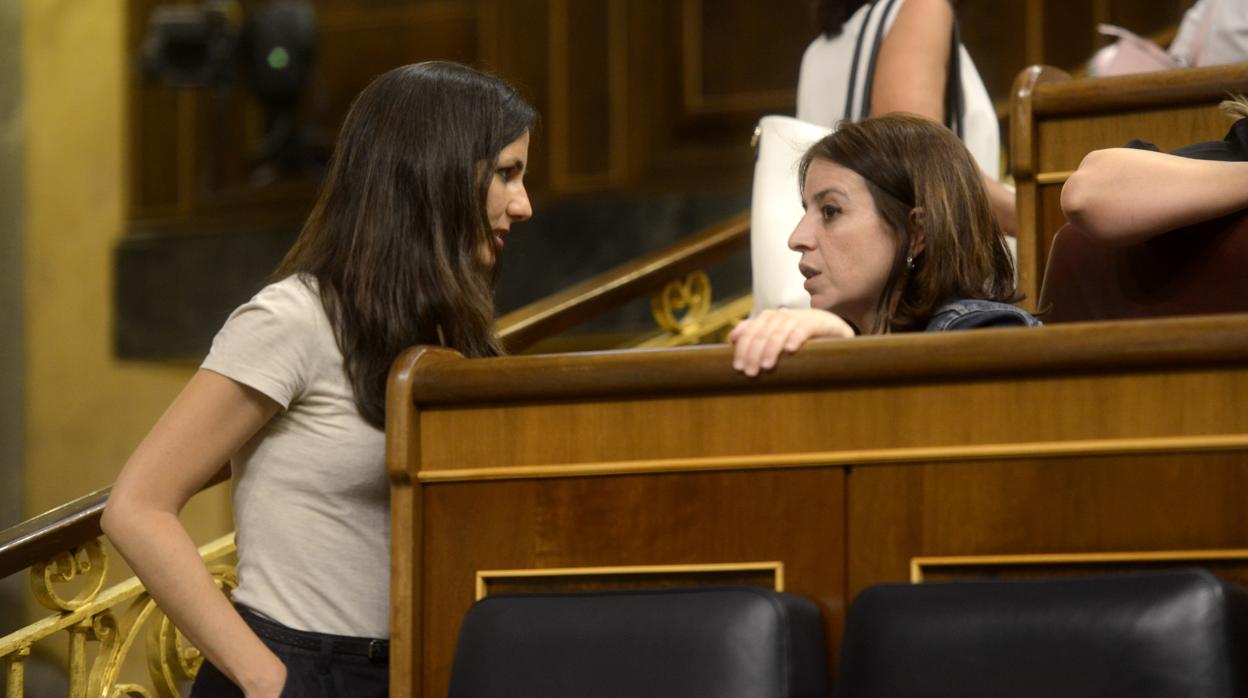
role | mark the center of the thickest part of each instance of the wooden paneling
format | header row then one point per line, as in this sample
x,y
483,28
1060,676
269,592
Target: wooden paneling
x,y
636,95
680,519
1071,505
844,465
589,99
193,149
1005,37
729,65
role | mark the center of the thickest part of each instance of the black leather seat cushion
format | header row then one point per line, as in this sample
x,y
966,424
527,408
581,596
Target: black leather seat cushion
x,y
725,642
1168,634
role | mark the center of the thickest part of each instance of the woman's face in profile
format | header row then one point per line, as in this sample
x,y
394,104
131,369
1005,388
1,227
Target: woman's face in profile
x,y
847,249
506,200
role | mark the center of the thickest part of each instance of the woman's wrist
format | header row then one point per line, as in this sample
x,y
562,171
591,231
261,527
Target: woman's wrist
x,y
266,677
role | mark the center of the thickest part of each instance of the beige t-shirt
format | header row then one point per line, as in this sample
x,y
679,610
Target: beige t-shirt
x,y
311,501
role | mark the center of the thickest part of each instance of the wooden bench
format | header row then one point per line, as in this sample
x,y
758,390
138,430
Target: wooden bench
x,y
1056,120
1060,449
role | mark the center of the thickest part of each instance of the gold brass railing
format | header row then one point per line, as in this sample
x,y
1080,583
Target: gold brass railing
x,y
112,619
670,276
684,312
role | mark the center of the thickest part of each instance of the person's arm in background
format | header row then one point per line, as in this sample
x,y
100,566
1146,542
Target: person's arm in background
x,y
209,421
910,77
1124,195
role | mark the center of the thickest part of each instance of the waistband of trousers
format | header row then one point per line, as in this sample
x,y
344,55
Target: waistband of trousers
x,y
376,650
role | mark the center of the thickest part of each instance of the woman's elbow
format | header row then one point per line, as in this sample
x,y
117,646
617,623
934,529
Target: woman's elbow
x,y
1074,198
111,521
1083,195
120,515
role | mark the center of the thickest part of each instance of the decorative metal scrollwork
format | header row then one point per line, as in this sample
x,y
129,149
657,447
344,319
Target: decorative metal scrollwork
x,y
88,561
171,659
92,614
15,679
682,304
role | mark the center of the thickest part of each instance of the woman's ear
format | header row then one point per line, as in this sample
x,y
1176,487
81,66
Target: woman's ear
x,y
918,232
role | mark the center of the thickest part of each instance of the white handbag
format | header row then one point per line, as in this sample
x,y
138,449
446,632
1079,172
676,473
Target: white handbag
x,y
775,209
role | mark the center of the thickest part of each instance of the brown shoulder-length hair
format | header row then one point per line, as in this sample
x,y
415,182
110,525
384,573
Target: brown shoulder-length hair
x,y
922,177
394,239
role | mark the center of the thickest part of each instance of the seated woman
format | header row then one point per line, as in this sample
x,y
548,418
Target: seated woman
x,y
897,236
1127,195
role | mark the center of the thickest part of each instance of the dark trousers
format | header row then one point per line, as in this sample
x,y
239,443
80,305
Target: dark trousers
x,y
317,665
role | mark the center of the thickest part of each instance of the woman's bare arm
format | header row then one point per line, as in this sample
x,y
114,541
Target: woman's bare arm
x,y
1125,195
210,420
910,70
910,77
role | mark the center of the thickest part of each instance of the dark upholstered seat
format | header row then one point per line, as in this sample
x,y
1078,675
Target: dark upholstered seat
x,y
1191,271
726,642
1174,634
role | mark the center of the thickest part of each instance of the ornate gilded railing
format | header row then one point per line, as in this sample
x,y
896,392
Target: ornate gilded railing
x,y
674,277
67,562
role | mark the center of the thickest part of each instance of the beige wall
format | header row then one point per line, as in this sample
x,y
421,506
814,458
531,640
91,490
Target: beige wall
x,y
12,131
84,410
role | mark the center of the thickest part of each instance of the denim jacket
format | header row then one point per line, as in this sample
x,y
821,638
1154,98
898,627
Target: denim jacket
x,y
969,314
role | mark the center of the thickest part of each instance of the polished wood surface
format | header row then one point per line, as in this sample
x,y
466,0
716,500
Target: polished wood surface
x,y
1090,504
847,463
1057,120
1078,347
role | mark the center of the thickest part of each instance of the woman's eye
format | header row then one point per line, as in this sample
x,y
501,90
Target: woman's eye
x,y
829,212
508,173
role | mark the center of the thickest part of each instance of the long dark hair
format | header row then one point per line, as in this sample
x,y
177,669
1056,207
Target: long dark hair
x,y
831,15
920,175
394,239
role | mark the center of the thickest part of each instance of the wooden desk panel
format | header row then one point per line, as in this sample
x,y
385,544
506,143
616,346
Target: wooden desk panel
x,y
848,462
1028,506
794,517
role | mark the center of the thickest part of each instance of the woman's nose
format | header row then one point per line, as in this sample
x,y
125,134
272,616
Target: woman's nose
x,y
801,239
519,207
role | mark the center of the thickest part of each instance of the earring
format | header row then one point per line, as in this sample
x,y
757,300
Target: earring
x,y
910,262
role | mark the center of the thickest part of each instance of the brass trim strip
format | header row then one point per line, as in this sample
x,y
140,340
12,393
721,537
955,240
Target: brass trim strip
x,y
1058,177
917,564
876,456
775,567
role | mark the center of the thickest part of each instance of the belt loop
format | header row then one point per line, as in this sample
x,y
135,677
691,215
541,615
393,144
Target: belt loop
x,y
378,650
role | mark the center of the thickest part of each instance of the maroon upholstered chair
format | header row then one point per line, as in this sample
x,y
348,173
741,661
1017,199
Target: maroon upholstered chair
x,y
1197,270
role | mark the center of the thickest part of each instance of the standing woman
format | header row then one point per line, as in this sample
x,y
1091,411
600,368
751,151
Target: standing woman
x,y
424,184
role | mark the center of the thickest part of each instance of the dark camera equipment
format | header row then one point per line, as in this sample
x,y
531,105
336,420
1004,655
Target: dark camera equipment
x,y
190,45
278,45
269,49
